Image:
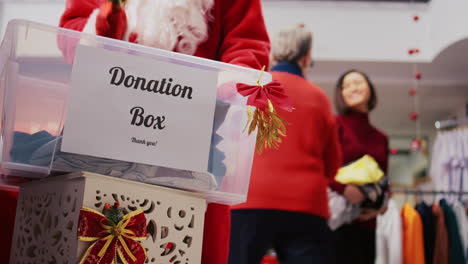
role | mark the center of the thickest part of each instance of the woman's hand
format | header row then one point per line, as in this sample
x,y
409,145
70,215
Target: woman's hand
x,y
353,194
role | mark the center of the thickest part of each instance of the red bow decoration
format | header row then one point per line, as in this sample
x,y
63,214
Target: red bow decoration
x,y
270,126
112,239
260,94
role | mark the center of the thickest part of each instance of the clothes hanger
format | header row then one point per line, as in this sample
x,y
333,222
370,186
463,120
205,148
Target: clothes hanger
x,y
419,196
406,195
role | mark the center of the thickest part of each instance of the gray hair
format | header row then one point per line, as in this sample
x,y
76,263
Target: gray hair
x,y
291,44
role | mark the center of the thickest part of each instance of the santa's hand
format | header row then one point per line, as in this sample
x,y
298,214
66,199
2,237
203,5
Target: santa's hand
x,y
111,21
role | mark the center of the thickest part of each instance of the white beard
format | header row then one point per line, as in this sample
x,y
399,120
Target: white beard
x,y
177,25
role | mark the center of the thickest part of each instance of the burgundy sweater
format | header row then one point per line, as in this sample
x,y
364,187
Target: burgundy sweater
x,y
358,138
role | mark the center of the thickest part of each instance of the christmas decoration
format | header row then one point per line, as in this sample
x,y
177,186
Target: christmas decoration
x,y
413,51
269,259
416,145
418,75
115,233
270,126
414,91
413,116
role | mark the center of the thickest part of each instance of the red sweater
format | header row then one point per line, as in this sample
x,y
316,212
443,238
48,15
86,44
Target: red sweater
x,y
295,177
237,35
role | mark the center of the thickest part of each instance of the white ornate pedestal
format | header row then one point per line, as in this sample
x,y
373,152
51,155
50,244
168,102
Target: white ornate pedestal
x,y
48,210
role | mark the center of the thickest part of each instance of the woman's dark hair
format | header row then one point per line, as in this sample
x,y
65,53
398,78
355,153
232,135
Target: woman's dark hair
x,y
340,104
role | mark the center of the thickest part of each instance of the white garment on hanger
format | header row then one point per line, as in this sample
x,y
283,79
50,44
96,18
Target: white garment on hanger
x,y
449,162
462,222
439,151
389,236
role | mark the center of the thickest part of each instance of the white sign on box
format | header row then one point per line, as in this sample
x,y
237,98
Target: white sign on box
x,y
136,109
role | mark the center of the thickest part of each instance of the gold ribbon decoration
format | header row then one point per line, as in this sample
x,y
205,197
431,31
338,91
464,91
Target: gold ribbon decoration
x,y
112,237
270,126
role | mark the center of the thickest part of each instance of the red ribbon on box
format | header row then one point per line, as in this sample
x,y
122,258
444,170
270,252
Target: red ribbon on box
x,y
112,239
269,125
258,95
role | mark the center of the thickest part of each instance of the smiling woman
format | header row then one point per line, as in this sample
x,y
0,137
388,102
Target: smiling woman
x,y
355,92
355,97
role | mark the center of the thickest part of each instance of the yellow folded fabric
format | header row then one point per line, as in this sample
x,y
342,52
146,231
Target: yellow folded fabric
x,y
364,170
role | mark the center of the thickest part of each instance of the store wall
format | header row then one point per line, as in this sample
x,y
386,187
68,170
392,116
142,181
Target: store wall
x,y
360,31
461,112
43,12
355,31
346,31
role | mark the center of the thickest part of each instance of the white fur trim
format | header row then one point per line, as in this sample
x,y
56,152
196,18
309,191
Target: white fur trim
x,y
131,10
90,26
177,25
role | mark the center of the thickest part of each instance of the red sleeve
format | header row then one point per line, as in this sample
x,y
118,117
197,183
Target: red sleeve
x,y
76,13
334,185
75,17
245,42
332,154
8,208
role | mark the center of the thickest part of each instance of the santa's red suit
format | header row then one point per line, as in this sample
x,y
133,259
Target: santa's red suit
x,y
8,201
231,31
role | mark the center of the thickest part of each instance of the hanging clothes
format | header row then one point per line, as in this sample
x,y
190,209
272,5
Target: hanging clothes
x,y
413,241
441,246
449,162
388,236
456,255
427,217
462,221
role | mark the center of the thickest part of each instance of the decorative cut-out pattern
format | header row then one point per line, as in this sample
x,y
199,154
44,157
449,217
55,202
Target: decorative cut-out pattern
x,y
45,231
44,222
171,220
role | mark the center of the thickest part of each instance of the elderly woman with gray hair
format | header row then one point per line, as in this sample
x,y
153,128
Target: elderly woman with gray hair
x,y
287,207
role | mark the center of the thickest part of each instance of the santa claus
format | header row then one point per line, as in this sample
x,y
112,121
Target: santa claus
x,y
231,31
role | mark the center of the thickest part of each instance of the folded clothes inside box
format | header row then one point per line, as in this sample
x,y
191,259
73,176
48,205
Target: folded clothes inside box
x,y
38,149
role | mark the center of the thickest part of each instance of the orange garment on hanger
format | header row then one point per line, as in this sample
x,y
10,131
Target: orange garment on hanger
x,y
413,237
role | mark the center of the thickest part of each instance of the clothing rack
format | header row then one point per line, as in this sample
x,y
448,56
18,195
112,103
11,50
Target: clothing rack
x,y
452,123
431,192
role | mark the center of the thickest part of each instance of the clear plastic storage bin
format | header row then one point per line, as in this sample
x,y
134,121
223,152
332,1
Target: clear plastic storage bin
x,y
36,68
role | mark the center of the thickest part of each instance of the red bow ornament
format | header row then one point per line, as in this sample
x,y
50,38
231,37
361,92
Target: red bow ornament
x,y
270,126
259,95
112,236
